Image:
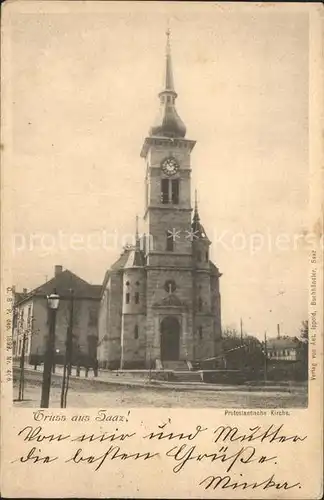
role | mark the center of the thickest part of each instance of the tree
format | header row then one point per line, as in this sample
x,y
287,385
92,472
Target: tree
x,y
230,332
231,341
303,331
242,354
303,340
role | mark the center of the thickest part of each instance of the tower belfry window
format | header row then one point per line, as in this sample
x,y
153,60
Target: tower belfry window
x,y
175,191
170,191
165,191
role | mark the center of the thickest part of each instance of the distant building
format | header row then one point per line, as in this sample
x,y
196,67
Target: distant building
x,y
160,304
284,349
30,318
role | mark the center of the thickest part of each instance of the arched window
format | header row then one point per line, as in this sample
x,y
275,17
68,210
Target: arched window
x,y
127,297
137,297
199,256
200,304
207,256
127,283
136,332
200,330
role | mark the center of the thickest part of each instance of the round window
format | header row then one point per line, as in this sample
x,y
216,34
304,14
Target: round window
x,y
170,286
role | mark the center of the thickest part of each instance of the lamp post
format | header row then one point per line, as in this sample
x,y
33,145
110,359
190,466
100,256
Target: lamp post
x,y
53,301
67,369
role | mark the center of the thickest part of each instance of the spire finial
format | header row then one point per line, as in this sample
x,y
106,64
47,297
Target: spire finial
x,y
169,85
168,34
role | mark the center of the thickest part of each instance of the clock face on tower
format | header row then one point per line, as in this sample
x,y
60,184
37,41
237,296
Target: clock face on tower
x,y
170,166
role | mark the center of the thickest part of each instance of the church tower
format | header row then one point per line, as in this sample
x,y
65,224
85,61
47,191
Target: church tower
x,y
160,303
171,252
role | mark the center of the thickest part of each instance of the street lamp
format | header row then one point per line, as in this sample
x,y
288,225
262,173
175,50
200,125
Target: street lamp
x,y
53,301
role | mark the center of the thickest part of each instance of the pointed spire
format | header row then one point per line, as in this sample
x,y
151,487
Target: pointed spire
x,y
168,123
196,226
169,83
196,217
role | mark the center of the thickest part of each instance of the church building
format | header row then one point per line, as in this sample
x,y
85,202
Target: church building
x,y
160,304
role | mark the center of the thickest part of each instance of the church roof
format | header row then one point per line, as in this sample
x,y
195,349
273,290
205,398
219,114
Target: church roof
x,y
135,258
121,261
116,266
130,257
214,269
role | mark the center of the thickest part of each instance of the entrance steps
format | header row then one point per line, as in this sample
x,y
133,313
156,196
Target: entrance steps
x,y
175,365
180,371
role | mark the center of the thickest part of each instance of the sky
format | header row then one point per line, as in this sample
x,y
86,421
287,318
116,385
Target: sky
x,y
83,92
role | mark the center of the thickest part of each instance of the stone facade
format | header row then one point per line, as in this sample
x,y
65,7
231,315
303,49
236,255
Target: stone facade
x,y
160,300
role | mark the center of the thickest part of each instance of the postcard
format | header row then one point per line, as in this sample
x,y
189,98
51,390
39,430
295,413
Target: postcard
x,y
162,264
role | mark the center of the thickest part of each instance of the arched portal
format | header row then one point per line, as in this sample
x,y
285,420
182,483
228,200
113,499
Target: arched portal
x,y
170,338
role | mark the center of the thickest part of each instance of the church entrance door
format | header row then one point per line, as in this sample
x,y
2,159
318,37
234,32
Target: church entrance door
x,y
170,339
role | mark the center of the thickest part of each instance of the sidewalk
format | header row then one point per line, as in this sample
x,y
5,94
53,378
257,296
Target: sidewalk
x,y
113,378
